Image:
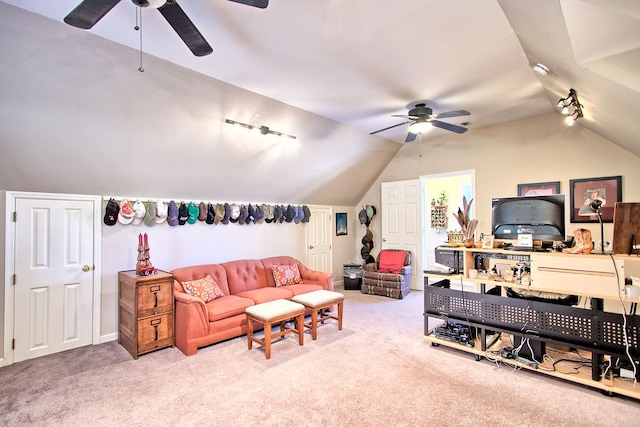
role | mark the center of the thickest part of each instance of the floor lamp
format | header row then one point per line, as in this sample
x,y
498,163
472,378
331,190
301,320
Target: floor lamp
x,y
596,205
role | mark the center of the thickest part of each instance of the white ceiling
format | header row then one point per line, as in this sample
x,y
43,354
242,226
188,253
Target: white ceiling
x,y
360,61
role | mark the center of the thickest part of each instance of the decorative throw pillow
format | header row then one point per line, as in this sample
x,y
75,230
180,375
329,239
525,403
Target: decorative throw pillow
x,y
391,261
205,288
286,274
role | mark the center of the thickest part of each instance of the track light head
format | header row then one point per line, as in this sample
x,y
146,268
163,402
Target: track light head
x,y
570,107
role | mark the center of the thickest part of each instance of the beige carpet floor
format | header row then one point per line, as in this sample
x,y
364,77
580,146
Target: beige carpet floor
x,y
378,371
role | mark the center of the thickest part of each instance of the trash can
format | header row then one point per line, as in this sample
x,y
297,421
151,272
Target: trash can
x,y
352,275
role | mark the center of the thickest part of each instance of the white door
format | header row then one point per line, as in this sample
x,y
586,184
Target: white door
x,y
319,256
402,222
54,244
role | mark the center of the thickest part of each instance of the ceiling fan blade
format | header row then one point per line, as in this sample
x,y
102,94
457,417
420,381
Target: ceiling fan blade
x,y
456,113
182,25
255,3
410,137
390,127
448,126
89,12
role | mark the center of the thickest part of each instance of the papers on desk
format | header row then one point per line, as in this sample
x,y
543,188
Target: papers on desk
x,y
438,268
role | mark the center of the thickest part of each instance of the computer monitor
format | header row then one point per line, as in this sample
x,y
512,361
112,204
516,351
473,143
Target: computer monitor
x,y
543,216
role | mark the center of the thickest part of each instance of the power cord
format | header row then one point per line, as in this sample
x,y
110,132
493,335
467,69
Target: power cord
x,y
625,335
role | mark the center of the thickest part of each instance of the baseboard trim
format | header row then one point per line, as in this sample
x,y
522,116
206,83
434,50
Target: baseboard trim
x,y
108,338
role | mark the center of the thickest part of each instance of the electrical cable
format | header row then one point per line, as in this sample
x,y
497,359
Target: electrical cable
x,y
625,335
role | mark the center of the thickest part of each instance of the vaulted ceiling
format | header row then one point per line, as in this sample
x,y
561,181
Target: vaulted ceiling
x,y
357,63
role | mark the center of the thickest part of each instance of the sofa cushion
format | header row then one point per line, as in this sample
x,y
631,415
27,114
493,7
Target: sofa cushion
x,y
216,271
284,275
246,275
391,261
279,260
205,288
303,288
228,306
266,294
383,277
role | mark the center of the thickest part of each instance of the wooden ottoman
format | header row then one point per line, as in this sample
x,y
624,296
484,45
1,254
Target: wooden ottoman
x,y
318,302
272,312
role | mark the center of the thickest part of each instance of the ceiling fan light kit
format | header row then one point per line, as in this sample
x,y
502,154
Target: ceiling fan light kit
x,y
420,126
149,3
422,119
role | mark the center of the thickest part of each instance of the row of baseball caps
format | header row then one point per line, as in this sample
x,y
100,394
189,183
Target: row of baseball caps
x,y
151,213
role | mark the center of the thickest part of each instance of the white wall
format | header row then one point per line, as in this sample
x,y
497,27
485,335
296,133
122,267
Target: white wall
x,y
526,151
77,117
190,244
343,246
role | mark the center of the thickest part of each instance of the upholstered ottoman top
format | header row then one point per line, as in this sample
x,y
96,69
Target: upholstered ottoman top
x,y
319,298
274,309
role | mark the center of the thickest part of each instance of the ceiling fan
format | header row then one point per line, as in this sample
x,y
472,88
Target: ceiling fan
x,y
421,118
89,12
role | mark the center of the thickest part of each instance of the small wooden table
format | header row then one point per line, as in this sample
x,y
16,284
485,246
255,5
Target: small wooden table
x,y
318,302
270,313
145,311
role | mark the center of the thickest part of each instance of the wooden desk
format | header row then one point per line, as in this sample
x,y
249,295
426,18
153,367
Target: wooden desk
x,y
602,335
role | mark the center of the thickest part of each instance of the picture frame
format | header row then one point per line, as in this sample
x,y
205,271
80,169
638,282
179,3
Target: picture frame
x,y
487,241
341,224
583,191
539,188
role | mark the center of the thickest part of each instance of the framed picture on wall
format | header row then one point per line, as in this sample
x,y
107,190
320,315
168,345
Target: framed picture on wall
x,y
341,224
588,193
539,188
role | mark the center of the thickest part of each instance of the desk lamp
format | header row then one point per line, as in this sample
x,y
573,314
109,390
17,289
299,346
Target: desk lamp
x,y
596,206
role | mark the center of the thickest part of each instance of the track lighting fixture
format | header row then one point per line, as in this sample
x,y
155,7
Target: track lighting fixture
x,y
264,130
570,107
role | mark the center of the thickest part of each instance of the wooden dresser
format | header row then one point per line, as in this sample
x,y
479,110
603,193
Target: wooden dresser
x,y
145,311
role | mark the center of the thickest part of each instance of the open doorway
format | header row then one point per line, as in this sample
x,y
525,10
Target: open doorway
x,y
442,196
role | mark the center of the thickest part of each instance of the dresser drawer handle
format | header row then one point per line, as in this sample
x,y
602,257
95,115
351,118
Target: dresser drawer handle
x,y
154,290
155,323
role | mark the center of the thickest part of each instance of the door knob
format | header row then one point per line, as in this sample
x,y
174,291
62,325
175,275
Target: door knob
x,y
86,268
310,246
384,239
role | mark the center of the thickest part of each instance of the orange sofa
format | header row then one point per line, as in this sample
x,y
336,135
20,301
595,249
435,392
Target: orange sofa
x,y
244,283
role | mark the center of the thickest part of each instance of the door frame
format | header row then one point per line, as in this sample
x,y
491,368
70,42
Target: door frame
x,y
8,314
424,179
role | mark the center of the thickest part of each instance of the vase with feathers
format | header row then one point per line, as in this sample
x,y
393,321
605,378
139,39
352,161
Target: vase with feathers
x,y
467,224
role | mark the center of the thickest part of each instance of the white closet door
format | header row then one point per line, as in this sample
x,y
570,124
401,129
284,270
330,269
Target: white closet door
x,y
402,224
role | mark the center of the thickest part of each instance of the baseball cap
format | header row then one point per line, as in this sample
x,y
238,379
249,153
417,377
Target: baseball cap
x,y
139,212
125,216
150,216
183,213
111,212
211,214
203,211
161,212
194,212
173,213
